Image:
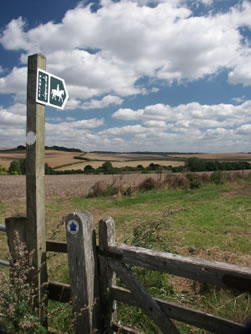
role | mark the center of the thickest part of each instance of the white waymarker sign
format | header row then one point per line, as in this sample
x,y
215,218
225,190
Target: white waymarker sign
x,y
51,90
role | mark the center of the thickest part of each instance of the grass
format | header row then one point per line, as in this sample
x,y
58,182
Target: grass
x,y
212,222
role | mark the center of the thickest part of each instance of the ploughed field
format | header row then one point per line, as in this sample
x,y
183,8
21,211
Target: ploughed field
x,y
64,186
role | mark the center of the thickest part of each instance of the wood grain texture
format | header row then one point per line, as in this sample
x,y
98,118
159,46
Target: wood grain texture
x,y
187,315
35,192
124,330
213,272
56,246
106,275
83,271
144,299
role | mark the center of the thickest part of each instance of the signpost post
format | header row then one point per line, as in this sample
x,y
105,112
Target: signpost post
x,y
43,89
35,192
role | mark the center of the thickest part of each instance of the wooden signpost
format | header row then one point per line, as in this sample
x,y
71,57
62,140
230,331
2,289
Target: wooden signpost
x,y
43,89
35,190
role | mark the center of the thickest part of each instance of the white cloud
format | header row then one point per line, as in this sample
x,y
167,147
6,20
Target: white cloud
x,y
238,99
108,51
15,83
8,118
206,2
188,127
128,114
95,104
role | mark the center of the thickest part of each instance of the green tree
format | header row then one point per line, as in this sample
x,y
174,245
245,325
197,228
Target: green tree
x,y
88,169
195,164
22,164
47,169
14,168
107,167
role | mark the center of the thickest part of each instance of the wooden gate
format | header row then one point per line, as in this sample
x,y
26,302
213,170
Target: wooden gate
x,y
94,287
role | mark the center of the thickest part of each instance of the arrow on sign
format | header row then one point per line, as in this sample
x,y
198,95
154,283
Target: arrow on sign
x,y
51,90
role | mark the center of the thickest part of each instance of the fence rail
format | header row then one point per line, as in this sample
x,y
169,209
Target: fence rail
x,y
93,268
3,262
217,273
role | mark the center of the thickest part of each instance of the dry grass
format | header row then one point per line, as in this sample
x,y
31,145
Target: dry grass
x,y
52,157
7,156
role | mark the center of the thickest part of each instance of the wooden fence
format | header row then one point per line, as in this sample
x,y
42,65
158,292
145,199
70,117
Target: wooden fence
x,y
93,288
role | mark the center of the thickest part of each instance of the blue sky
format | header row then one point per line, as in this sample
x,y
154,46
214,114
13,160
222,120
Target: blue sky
x,y
159,75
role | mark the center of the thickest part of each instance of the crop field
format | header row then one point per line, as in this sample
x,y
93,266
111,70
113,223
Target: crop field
x,y
52,157
212,222
74,160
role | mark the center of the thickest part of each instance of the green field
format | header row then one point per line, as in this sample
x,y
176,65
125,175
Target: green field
x,y
212,222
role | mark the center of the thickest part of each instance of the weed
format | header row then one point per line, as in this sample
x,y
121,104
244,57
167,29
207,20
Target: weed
x,y
102,189
19,312
249,177
194,181
148,184
176,181
217,177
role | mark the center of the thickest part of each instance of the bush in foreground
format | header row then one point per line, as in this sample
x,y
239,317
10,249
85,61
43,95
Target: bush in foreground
x,y
18,311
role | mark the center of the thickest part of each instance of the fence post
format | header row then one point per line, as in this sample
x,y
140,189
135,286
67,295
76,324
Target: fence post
x,y
108,305
81,241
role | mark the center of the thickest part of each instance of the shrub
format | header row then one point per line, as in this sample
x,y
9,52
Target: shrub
x,y
217,177
102,189
205,177
14,168
88,169
107,167
148,184
249,177
176,181
48,170
195,164
18,311
194,181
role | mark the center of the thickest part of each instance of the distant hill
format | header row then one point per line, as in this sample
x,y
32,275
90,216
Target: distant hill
x,y
56,148
144,152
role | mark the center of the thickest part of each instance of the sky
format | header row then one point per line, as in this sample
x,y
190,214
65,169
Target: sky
x,y
142,75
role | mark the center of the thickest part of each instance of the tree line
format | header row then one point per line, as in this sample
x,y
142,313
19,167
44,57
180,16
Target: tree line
x,y
193,164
